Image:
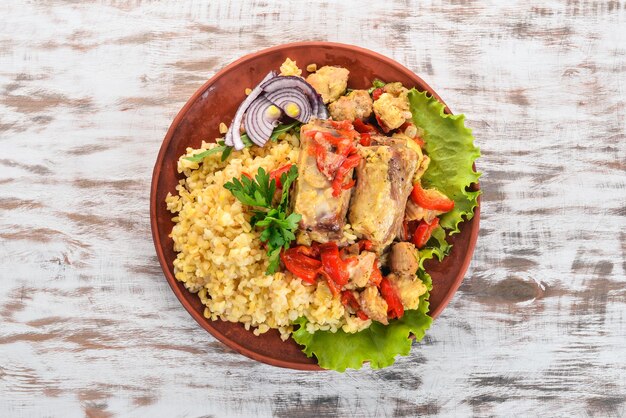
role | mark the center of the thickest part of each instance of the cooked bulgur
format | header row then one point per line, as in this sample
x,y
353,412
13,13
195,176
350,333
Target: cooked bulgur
x,y
220,255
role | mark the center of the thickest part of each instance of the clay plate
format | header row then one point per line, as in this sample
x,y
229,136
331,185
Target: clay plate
x,y
216,101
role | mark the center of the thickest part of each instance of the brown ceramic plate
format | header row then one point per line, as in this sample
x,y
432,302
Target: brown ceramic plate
x,y
217,101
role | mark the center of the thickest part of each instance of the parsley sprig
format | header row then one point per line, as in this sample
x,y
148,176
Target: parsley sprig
x,y
278,226
375,85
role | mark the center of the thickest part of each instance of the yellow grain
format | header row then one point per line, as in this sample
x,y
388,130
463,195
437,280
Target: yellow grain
x,y
221,257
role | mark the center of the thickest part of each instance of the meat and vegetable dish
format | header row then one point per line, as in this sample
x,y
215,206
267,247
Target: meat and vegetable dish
x,y
316,210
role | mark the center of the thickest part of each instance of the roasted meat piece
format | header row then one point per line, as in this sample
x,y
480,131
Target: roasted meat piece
x,y
409,288
373,304
330,82
355,105
323,215
383,183
361,271
403,259
392,107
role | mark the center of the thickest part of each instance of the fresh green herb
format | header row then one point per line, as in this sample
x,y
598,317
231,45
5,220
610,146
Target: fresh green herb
x,y
226,153
281,129
437,245
201,155
376,84
246,141
278,226
226,150
253,193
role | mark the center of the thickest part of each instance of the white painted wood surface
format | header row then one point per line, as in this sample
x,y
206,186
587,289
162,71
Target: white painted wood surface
x,y
89,325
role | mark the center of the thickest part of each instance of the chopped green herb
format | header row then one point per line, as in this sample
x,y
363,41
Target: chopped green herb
x,y
278,226
201,155
281,129
226,153
375,85
246,141
226,150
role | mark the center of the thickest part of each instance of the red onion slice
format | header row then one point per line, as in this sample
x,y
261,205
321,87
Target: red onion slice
x,y
258,122
293,82
289,100
233,136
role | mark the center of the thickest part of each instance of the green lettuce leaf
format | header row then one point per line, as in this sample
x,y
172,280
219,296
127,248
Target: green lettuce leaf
x,y
378,344
436,245
450,146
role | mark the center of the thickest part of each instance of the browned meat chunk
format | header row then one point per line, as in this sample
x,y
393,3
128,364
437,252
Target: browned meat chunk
x,y
323,215
403,259
392,107
409,288
356,105
374,305
422,160
329,82
361,271
383,183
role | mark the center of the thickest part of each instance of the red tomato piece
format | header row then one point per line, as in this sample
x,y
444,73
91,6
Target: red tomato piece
x,y
332,263
423,232
348,299
300,265
377,93
363,128
338,182
376,277
277,174
365,244
429,200
394,303
366,140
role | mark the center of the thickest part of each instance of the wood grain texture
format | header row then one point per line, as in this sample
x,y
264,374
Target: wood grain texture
x,y
90,327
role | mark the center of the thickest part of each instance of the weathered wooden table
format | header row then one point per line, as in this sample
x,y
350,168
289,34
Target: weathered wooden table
x,y
89,325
